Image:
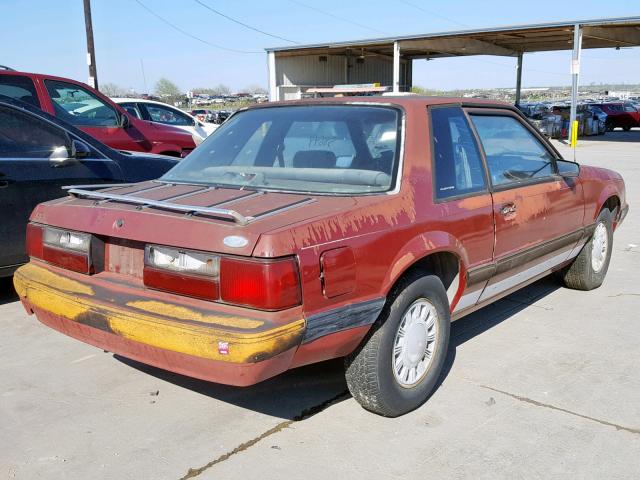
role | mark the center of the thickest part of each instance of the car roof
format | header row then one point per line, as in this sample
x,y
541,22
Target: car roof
x,y
409,101
140,100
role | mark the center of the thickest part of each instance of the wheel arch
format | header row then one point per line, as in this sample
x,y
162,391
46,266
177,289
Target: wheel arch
x,y
610,200
437,253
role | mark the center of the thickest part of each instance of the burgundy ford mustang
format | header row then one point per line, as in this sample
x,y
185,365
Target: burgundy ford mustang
x,y
305,231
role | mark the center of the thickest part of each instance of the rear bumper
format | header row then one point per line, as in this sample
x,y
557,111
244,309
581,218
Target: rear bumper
x,y
217,346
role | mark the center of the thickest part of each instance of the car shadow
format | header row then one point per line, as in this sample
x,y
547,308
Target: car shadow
x,y
7,292
300,392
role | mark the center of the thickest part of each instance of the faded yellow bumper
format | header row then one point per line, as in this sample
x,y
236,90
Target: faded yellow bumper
x,y
145,318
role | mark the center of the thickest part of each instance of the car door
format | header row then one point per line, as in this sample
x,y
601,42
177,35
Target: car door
x,y
29,174
538,214
461,198
82,108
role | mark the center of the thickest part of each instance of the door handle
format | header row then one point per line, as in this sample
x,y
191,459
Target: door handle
x,y
508,209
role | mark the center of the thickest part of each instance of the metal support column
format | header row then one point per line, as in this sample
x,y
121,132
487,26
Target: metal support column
x,y
575,71
273,86
519,78
396,67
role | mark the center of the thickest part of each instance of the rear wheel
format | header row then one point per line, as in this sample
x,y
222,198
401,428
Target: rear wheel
x,y
590,266
398,365
626,129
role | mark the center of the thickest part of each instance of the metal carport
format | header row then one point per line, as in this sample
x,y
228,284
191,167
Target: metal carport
x,y
388,60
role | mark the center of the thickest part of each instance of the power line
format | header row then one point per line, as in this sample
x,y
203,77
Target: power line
x,y
329,14
241,23
184,32
434,14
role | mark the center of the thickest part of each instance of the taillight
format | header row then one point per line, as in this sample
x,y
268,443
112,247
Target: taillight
x,y
267,285
194,274
64,248
255,283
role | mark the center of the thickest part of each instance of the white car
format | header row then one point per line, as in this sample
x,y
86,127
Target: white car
x,y
159,112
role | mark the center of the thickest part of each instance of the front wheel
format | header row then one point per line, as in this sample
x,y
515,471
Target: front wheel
x,y
398,365
590,266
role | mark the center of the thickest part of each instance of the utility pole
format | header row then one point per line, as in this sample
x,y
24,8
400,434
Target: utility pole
x,y
91,51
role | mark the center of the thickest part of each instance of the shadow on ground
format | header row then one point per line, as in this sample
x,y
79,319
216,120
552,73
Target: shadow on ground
x,y
617,135
7,292
296,393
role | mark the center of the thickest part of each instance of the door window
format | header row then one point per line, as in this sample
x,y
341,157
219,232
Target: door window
x,y
513,153
79,106
132,109
166,115
25,136
20,88
457,163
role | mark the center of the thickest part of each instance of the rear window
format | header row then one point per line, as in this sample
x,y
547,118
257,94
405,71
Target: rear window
x,y
20,88
344,149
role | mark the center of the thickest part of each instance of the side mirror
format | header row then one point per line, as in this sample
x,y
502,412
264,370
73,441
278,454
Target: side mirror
x,y
568,169
124,121
65,156
79,150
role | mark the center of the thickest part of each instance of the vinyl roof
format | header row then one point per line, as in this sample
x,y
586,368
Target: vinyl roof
x,y
506,40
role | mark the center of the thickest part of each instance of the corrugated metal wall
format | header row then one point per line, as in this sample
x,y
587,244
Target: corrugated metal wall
x,y
372,70
309,71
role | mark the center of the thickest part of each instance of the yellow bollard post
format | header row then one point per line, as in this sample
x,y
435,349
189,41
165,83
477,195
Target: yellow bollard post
x,y
574,134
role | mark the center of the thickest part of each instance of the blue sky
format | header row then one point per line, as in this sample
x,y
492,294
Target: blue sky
x,y
48,36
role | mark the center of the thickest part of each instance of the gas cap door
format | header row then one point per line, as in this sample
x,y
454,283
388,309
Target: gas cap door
x,y
338,272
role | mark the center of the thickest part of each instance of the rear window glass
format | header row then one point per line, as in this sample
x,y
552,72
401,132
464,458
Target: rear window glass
x,y
20,88
321,148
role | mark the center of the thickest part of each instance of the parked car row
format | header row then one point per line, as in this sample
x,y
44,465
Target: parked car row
x,y
89,110
305,231
610,115
40,153
211,116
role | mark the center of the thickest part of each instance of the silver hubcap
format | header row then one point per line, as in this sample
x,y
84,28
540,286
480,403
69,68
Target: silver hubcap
x,y
415,342
600,244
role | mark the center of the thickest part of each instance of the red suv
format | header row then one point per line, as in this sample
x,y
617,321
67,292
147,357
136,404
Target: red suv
x,y
92,112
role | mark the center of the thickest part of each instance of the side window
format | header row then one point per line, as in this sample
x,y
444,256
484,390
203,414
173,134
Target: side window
x,y
457,163
168,116
513,153
79,106
25,136
20,88
132,109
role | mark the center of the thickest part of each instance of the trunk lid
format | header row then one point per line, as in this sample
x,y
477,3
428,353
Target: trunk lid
x,y
133,225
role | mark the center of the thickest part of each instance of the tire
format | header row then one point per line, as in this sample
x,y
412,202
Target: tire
x,y
626,129
371,375
582,274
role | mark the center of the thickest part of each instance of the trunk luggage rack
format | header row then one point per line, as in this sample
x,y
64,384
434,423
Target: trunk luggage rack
x,y
85,191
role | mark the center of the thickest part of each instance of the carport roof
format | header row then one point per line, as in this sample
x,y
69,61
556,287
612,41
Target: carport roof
x,y
505,41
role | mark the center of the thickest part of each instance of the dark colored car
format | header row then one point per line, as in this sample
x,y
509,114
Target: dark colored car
x,y
221,116
38,155
304,231
620,114
94,113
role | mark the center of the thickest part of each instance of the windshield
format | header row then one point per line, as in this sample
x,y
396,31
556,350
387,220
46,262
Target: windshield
x,y
347,149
